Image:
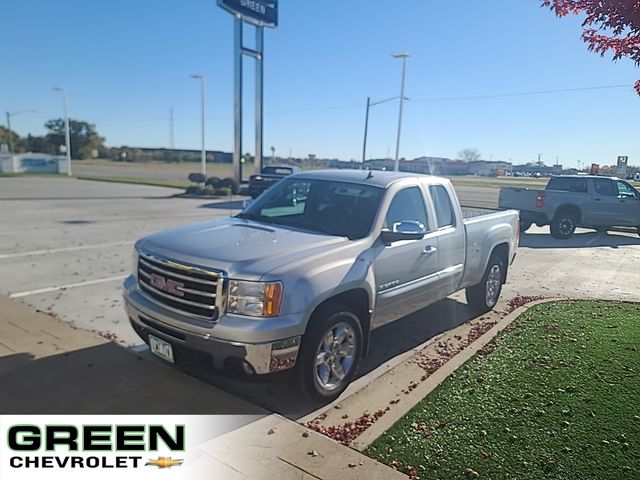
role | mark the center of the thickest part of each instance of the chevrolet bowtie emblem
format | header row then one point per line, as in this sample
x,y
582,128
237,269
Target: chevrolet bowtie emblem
x,y
164,462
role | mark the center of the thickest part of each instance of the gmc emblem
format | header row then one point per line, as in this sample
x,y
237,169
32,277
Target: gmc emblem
x,y
167,285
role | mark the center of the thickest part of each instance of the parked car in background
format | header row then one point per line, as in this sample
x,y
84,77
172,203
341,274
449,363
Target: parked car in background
x,y
302,284
268,177
570,201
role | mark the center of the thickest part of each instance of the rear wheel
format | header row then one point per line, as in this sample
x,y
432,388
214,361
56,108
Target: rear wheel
x,y
330,353
484,296
563,225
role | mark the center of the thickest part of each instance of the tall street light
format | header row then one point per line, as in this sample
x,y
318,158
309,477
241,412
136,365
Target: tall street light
x,y
203,153
366,122
67,134
13,114
404,57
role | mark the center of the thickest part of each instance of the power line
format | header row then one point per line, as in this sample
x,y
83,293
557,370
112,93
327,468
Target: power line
x,y
521,94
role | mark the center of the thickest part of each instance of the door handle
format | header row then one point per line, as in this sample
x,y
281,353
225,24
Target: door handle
x,y
428,250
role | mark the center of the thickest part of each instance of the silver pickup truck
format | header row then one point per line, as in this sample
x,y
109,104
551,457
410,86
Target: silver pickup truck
x,y
570,201
304,274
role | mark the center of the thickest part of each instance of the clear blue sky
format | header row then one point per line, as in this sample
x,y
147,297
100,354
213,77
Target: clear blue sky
x,y
126,62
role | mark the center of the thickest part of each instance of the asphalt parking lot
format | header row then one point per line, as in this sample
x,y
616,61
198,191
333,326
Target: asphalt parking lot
x,y
66,244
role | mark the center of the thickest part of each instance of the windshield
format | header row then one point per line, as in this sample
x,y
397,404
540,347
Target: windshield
x,y
332,208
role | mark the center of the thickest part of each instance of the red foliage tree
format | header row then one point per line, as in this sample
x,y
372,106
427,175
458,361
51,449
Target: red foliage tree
x,y
609,25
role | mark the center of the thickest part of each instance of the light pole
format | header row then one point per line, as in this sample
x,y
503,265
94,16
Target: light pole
x,y
366,122
67,133
404,57
13,114
203,153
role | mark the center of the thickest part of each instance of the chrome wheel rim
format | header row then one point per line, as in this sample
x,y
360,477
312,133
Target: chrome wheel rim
x,y
494,280
335,356
566,226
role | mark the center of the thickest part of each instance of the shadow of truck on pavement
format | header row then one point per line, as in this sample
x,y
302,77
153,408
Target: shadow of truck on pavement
x,y
580,240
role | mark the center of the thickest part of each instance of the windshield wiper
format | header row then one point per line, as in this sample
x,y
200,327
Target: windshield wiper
x,y
254,217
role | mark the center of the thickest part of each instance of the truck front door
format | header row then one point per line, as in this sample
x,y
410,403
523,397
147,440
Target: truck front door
x,y
406,271
613,204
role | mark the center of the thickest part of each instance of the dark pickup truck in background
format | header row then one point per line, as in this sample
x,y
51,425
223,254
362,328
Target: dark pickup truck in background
x,y
268,177
570,201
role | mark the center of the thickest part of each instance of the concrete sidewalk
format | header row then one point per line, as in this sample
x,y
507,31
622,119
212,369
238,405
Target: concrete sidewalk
x,y
49,367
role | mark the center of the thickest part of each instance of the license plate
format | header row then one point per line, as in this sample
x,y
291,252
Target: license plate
x,y
161,348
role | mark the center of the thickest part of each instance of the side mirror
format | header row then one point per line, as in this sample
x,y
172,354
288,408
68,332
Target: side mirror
x,y
405,230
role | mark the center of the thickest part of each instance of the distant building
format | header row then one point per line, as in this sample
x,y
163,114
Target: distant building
x,y
542,170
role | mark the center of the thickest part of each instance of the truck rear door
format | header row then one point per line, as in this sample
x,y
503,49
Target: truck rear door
x,y
450,235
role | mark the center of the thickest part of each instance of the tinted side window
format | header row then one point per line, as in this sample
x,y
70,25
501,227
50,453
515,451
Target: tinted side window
x,y
442,203
577,185
604,187
408,204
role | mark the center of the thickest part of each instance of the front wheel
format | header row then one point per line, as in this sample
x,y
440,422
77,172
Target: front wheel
x,y
563,225
330,353
484,296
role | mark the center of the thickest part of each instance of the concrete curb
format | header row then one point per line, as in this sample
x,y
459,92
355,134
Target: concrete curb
x,y
424,388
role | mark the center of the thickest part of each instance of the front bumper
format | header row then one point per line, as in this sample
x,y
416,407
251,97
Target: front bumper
x,y
148,318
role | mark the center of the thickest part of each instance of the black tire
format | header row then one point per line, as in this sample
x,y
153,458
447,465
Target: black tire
x,y
525,225
563,225
308,372
479,296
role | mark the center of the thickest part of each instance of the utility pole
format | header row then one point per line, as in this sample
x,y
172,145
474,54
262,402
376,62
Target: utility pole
x,y
366,122
9,132
66,125
203,151
13,114
366,127
404,57
172,143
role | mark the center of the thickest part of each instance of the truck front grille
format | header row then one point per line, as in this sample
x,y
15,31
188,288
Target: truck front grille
x,y
186,289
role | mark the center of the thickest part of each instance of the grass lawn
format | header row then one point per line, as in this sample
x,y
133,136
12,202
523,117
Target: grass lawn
x,y
555,396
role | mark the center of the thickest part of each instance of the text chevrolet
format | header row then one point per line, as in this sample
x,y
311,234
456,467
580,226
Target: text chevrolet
x,y
303,275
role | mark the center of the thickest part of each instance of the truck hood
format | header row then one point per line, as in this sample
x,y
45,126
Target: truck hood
x,y
242,248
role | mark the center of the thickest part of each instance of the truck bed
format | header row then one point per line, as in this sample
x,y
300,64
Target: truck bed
x,y
482,227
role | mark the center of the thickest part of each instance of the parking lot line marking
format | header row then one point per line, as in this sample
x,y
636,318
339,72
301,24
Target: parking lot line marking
x,y
66,287
64,249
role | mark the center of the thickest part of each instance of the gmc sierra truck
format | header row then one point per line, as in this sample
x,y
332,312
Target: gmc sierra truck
x,y
301,281
570,201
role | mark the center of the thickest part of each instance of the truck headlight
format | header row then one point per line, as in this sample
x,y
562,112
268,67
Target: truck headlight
x,y
257,299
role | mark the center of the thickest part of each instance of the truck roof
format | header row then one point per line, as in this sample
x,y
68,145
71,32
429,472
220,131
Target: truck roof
x,y
378,178
585,176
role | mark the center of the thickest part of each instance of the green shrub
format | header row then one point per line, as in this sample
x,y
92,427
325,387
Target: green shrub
x,y
231,183
224,191
193,189
215,182
197,178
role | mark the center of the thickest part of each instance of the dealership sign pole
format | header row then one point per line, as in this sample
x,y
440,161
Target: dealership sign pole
x,y
260,13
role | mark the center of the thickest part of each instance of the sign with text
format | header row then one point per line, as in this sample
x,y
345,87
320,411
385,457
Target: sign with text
x,y
622,166
263,13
